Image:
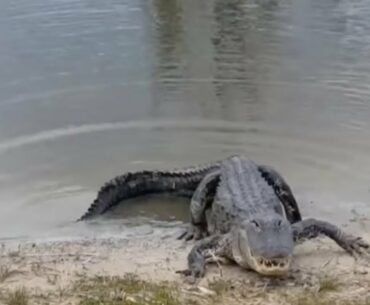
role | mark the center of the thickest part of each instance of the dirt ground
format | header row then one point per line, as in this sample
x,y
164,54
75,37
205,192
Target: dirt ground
x,y
49,270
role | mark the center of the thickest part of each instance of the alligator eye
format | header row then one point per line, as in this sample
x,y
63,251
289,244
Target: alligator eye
x,y
256,224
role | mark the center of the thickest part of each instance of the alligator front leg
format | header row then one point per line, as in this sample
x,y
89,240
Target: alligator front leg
x,y
200,255
312,228
200,202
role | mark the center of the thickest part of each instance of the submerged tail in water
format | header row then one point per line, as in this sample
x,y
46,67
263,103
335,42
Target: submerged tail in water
x,y
135,184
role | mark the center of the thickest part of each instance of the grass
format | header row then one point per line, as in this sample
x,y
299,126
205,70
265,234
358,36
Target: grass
x,y
131,290
126,290
17,297
328,284
5,273
314,299
220,286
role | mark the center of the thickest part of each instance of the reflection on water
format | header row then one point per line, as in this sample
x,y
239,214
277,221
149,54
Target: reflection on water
x,y
89,89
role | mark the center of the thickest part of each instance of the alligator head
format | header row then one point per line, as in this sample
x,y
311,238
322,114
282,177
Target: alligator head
x,y
264,244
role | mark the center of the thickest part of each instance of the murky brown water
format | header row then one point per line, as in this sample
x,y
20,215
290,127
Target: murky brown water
x,y
90,89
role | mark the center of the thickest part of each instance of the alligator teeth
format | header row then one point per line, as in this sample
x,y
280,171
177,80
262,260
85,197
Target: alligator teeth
x,y
274,263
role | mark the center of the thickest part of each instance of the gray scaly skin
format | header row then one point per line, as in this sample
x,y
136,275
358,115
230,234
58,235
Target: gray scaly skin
x,y
252,223
240,210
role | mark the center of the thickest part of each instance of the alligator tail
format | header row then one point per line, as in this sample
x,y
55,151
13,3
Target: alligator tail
x,y
135,184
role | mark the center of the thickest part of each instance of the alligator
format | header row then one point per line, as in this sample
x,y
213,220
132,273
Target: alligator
x,y
240,211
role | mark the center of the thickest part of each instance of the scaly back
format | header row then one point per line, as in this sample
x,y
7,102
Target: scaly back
x,y
243,193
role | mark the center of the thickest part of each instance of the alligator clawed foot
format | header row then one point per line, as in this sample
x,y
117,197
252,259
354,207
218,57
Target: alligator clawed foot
x,y
192,232
211,257
192,275
188,276
356,246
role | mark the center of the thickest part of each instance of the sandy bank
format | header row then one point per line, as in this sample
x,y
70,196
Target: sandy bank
x,y
49,269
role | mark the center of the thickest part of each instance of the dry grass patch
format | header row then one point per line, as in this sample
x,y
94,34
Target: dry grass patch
x,y
126,290
317,299
328,284
129,289
17,297
220,286
7,272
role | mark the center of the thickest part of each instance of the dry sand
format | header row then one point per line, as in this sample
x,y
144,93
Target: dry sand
x,y
51,267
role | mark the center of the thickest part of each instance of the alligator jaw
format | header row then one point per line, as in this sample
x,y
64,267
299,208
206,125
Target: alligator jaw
x,y
272,267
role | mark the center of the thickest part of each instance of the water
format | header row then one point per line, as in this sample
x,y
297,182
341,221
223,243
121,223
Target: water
x,y
90,89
